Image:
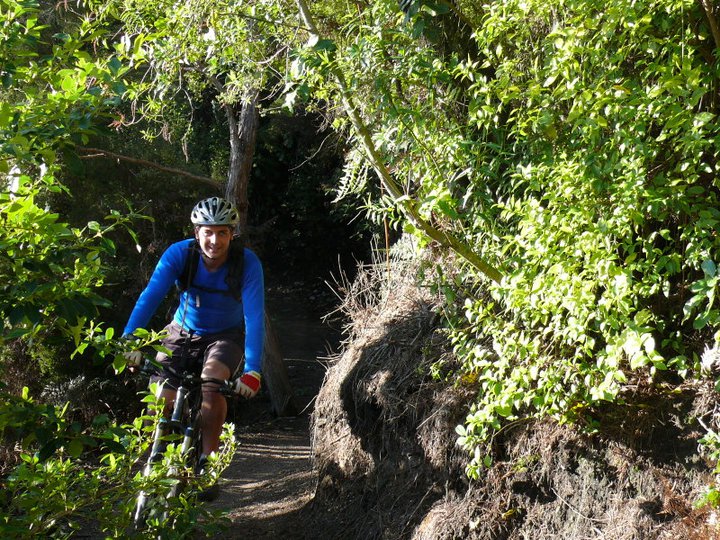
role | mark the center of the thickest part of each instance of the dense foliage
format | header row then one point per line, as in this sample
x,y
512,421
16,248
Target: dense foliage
x,y
575,147
563,154
610,207
58,474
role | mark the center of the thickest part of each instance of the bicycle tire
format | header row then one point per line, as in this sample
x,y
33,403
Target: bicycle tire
x,y
185,423
146,506
143,502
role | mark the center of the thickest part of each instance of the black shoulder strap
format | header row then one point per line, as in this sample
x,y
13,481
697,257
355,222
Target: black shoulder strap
x,y
236,266
192,259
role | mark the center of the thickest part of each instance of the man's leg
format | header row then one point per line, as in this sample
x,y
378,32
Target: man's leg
x,y
168,394
174,341
214,406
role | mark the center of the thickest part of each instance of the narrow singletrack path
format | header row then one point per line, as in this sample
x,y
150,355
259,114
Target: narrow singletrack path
x,y
270,479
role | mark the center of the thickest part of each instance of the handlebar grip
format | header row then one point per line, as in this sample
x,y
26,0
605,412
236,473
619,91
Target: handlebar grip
x,y
148,368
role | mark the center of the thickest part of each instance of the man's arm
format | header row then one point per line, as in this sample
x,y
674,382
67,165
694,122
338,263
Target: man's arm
x,y
253,297
163,278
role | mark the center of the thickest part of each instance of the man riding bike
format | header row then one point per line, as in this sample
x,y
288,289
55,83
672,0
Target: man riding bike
x,y
220,316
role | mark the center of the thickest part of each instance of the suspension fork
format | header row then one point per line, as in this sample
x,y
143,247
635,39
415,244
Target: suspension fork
x,y
180,399
182,391
179,420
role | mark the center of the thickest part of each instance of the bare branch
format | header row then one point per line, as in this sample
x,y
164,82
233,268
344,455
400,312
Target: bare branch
x,y
90,153
709,12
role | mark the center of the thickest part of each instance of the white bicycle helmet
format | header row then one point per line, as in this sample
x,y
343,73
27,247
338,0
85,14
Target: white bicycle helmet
x,y
214,211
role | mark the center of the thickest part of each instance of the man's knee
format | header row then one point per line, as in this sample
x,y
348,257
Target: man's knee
x,y
215,369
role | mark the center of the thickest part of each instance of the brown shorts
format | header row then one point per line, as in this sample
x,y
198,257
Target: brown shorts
x,y
191,352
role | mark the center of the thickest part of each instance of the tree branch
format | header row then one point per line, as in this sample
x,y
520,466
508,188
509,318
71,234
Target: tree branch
x,y
97,152
708,7
406,204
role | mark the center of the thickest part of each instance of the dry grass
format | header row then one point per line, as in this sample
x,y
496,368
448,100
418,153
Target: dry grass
x,y
388,466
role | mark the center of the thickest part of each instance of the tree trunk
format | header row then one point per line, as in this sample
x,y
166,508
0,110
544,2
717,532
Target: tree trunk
x,y
275,375
243,133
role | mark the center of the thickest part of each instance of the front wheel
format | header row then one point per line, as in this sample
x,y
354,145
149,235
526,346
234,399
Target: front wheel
x,y
143,503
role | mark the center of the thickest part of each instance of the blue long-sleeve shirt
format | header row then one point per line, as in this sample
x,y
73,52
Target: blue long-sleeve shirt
x,y
204,311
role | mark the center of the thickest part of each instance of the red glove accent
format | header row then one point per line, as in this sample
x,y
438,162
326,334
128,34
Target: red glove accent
x,y
248,384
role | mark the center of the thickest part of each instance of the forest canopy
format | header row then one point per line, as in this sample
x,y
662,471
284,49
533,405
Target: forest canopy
x,y
560,156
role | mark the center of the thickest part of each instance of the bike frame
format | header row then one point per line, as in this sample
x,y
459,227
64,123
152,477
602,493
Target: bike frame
x,y
184,421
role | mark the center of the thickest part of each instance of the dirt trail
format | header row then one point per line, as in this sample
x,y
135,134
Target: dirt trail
x,y
270,478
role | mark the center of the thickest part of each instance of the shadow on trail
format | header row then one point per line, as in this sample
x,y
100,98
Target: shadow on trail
x,y
270,480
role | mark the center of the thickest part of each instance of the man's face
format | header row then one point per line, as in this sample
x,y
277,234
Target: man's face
x,y
214,240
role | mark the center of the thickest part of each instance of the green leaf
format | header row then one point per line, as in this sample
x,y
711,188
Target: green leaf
x,y
447,209
114,446
119,363
69,84
325,45
709,268
701,321
74,447
114,64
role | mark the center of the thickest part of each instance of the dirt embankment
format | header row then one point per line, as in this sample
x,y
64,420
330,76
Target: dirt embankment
x,y
377,459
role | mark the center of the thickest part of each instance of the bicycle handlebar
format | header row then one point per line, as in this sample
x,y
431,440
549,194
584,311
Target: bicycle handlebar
x,y
153,367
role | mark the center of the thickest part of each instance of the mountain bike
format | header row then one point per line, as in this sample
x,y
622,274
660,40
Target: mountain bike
x,y
183,425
